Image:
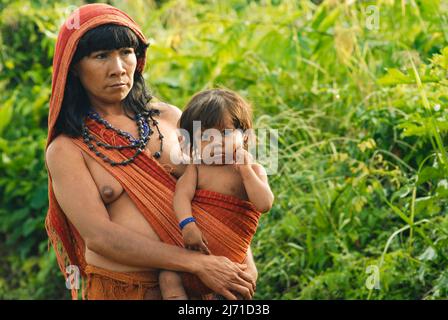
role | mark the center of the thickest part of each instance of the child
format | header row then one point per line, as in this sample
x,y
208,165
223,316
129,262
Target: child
x,y
219,111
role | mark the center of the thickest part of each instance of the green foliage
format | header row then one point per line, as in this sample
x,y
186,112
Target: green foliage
x,y
28,32
361,115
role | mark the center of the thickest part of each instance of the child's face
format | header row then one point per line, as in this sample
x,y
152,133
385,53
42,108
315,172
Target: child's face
x,y
218,145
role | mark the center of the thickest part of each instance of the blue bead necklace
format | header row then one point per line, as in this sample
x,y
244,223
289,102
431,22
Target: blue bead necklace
x,y
139,144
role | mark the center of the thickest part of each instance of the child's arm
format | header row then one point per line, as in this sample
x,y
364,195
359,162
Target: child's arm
x,y
256,183
184,194
185,190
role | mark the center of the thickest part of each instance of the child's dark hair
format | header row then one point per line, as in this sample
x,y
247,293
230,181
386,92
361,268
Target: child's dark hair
x,y
210,107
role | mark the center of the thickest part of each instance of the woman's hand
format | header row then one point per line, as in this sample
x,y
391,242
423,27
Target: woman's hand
x,y
252,269
225,277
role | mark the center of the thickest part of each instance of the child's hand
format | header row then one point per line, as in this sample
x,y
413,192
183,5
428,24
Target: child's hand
x,y
243,159
194,239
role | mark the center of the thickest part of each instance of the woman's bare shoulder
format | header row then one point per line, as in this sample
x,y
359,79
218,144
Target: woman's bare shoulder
x,y
62,149
167,111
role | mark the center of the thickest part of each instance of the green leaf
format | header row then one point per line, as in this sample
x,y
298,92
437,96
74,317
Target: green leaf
x,y
5,115
39,198
429,173
394,77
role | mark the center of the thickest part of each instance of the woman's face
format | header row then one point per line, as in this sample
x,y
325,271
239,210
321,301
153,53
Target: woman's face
x,y
107,76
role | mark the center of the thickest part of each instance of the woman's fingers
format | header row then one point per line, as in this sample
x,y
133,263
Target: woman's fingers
x,y
224,277
242,266
244,291
228,295
246,284
248,278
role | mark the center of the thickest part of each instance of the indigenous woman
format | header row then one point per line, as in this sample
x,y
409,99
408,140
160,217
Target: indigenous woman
x,y
111,177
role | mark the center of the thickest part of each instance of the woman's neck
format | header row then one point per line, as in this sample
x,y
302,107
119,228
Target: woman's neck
x,y
108,111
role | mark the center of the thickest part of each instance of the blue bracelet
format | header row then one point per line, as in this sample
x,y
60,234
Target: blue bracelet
x,y
186,221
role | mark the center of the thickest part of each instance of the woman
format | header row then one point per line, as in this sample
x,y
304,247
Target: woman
x,y
110,193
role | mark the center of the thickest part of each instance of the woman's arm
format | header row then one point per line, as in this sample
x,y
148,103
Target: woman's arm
x,y
80,200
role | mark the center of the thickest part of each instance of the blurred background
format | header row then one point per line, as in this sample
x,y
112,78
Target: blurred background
x,y
358,92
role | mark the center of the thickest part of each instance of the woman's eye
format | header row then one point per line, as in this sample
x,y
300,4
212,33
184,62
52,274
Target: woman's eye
x,y
100,56
128,51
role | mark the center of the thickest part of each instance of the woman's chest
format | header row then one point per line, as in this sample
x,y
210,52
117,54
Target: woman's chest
x,y
110,188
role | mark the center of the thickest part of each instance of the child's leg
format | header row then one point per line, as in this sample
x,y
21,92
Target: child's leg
x,y
171,286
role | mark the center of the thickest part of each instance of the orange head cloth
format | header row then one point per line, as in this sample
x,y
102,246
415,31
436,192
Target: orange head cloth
x,y
82,20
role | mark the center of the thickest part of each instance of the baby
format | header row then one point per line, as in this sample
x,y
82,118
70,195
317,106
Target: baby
x,y
223,115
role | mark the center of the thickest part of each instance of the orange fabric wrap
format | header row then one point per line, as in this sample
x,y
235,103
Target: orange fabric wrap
x,y
104,284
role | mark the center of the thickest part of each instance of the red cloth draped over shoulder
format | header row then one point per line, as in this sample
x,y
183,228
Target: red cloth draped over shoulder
x,y
228,222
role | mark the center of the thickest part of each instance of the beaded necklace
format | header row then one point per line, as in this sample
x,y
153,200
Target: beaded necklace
x,y
144,132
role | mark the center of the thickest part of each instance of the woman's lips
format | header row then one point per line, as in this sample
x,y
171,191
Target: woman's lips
x,y
118,86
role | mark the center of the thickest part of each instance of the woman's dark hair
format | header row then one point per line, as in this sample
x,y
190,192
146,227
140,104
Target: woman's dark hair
x,y
75,104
